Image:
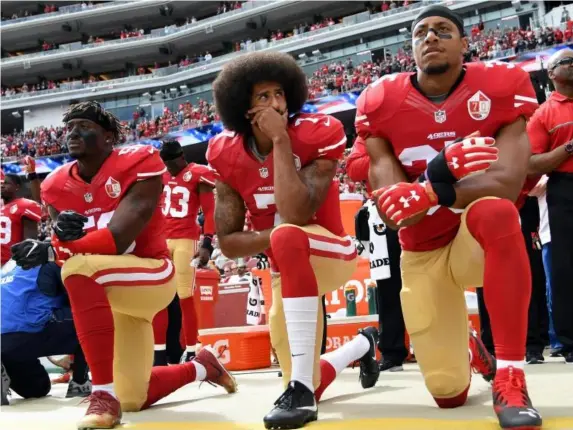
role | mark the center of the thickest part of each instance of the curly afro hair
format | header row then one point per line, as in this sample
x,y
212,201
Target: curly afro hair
x,y
234,85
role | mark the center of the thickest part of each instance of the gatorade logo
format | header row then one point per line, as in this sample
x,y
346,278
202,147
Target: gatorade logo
x,y
222,351
379,262
334,342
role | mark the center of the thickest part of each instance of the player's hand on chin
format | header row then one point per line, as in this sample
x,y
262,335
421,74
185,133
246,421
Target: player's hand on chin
x,y
404,204
270,122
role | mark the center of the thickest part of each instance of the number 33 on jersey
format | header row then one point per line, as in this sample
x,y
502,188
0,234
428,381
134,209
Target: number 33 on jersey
x,y
181,203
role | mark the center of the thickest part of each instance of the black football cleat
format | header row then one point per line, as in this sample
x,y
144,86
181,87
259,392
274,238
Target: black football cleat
x,y
511,401
5,387
369,368
293,409
482,361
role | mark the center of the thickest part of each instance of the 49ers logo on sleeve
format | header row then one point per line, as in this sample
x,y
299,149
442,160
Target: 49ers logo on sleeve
x,y
479,106
112,188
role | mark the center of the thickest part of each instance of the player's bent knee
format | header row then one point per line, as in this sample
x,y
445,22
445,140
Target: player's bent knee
x,y
76,265
288,236
448,386
491,219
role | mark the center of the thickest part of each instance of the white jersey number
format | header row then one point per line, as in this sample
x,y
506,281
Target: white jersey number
x,y
265,201
181,208
5,230
100,222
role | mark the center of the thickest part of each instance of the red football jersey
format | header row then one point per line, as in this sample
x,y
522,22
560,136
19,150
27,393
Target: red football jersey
x,y
181,200
490,96
313,136
11,225
63,189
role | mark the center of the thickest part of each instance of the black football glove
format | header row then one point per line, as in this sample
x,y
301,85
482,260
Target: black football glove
x,y
31,253
70,226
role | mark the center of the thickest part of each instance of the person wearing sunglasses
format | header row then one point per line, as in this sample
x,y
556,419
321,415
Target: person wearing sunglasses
x,y
550,132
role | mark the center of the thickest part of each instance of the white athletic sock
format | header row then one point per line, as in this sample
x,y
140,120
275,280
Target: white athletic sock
x,y
159,347
201,371
191,348
506,363
301,314
108,388
351,351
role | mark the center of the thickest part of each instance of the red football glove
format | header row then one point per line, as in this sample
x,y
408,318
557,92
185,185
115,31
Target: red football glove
x,y
405,200
29,164
471,155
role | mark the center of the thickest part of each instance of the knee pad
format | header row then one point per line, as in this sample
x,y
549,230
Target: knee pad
x,y
288,241
492,219
75,265
418,308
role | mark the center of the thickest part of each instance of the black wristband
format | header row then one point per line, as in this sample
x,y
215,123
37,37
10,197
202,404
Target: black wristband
x,y
445,192
32,176
438,170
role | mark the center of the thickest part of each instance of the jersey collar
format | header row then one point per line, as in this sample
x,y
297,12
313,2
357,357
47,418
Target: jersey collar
x,y
558,97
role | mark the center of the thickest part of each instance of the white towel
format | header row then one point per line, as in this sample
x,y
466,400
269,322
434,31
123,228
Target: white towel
x,y
253,302
378,246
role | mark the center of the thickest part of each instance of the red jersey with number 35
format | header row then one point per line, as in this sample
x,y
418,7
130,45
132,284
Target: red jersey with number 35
x,y
489,97
64,190
181,200
312,136
12,215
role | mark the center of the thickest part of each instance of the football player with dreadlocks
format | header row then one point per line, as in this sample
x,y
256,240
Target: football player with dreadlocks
x,y
116,269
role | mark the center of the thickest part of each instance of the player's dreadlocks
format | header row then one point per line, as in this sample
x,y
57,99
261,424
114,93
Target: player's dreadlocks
x,y
94,112
234,85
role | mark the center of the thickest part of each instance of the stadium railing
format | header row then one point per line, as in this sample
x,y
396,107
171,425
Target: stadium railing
x,y
155,34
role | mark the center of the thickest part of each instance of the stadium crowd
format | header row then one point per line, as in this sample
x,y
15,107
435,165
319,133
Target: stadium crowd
x,y
336,77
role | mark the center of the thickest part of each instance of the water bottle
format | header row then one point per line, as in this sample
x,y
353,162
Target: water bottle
x,y
350,295
371,291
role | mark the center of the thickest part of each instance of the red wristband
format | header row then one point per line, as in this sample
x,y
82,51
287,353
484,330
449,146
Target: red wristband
x,y
97,242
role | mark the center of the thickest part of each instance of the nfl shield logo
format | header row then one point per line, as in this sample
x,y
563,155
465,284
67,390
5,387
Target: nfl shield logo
x,y
440,116
88,197
112,188
479,106
187,176
264,172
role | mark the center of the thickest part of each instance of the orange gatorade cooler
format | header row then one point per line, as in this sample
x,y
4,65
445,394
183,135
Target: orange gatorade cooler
x,y
240,348
206,295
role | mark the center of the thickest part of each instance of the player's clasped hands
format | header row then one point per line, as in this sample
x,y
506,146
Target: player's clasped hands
x,y
404,201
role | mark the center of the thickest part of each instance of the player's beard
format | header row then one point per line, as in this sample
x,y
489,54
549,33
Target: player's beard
x,y
436,69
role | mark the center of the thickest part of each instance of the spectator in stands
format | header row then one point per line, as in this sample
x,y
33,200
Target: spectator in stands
x,y
551,136
37,322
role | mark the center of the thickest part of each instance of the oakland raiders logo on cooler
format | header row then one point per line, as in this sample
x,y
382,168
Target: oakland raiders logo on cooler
x,y
88,197
264,172
440,116
112,188
479,106
187,176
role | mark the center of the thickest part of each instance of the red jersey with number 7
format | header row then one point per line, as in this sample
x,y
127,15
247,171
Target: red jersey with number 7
x,y
489,97
181,200
64,190
313,136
